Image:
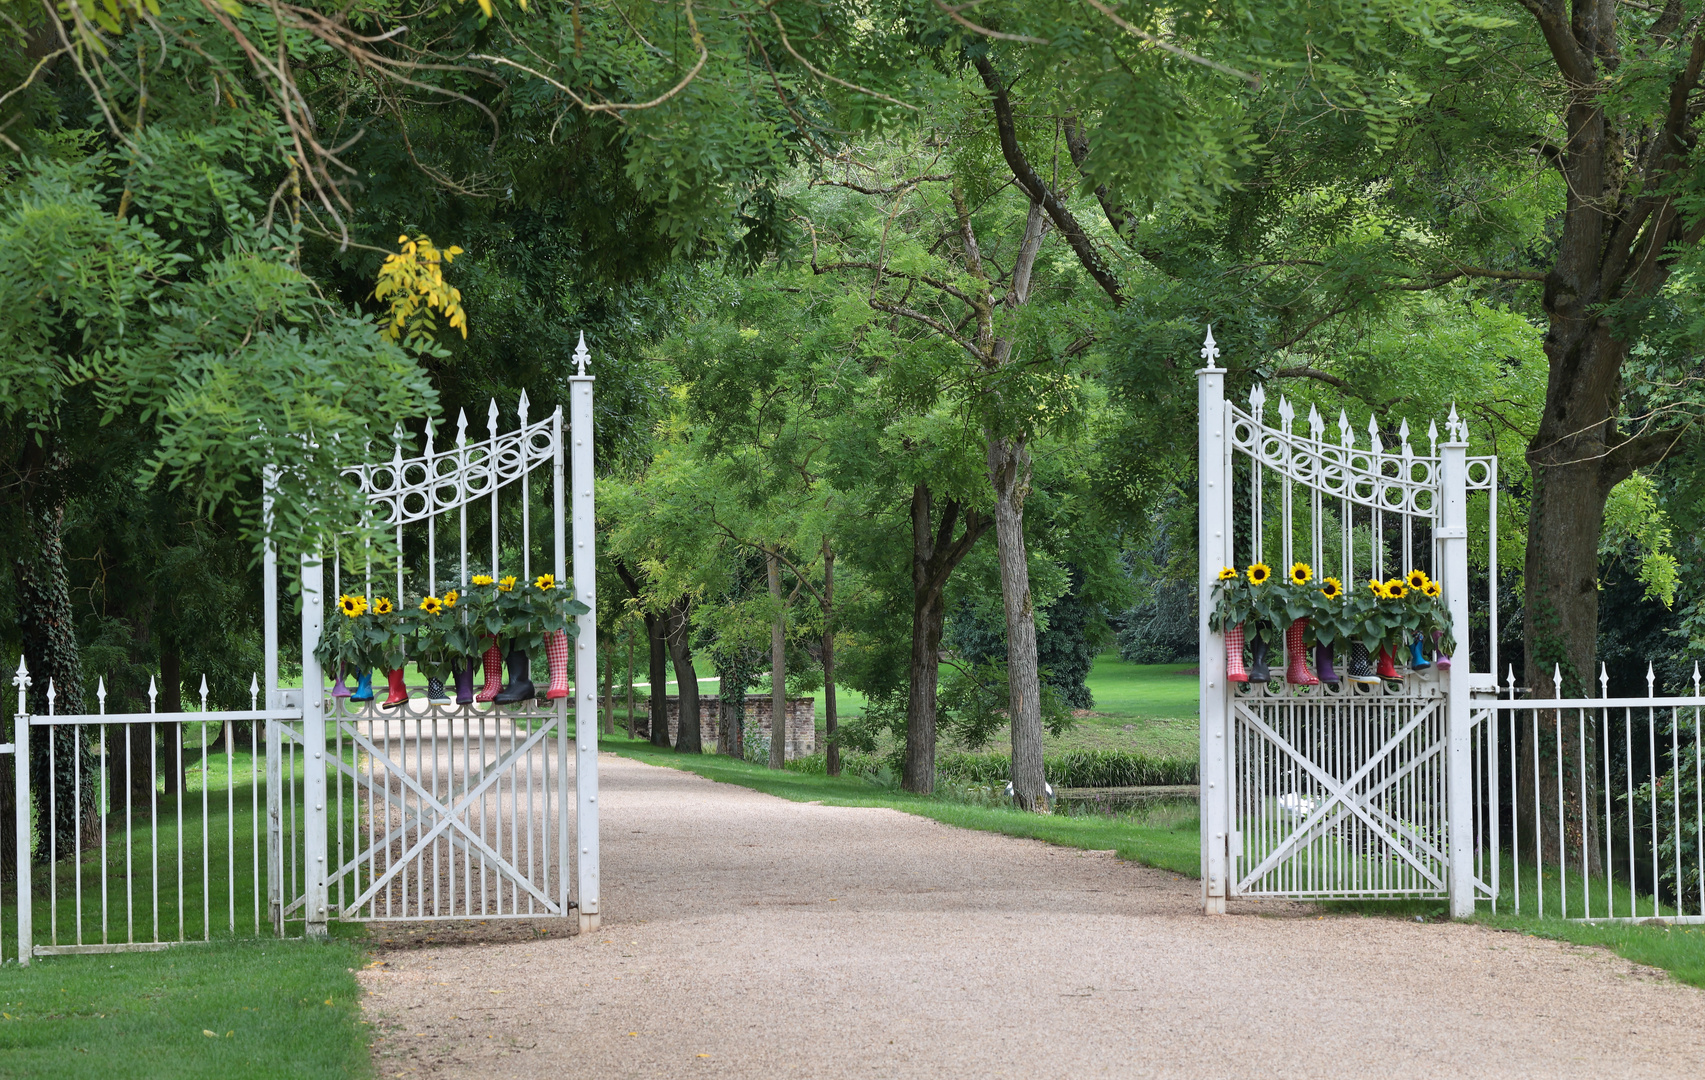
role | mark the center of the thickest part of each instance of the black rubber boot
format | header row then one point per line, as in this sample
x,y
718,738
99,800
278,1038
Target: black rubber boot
x,y
520,686
1258,671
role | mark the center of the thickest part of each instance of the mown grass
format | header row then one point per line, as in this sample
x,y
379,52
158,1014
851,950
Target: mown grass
x,y
1168,841
218,1011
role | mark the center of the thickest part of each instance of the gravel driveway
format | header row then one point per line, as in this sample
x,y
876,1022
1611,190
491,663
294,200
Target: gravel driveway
x,y
747,936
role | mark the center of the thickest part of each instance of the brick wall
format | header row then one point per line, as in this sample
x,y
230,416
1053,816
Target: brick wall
x,y
801,721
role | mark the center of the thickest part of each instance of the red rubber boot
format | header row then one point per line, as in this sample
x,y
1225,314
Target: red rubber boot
x,y
1234,669
1296,656
556,652
399,692
1387,667
493,661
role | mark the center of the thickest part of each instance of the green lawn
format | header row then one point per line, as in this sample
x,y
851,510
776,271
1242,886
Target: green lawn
x,y
222,1011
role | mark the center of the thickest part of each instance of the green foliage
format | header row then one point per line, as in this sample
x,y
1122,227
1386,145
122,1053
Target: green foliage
x,y
1634,523
1078,768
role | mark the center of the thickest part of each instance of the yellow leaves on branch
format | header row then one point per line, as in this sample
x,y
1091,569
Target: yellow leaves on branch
x,y
412,283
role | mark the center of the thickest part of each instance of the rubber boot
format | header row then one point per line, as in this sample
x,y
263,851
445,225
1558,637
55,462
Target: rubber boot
x,y
1323,663
1441,661
363,687
1296,655
1258,660
1361,665
1234,670
1417,659
1387,667
464,683
556,653
493,661
338,687
520,686
435,690
399,692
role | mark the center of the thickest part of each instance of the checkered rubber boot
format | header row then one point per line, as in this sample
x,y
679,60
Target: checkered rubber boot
x,y
1234,671
493,661
556,652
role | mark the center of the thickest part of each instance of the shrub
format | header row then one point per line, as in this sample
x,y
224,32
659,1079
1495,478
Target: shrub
x,y
1074,769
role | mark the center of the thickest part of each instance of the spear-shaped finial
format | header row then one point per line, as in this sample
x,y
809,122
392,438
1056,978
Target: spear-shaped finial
x,y
1454,425
1603,680
51,694
1510,681
1257,399
491,418
153,693
1346,434
1556,680
582,357
461,427
1651,677
521,407
1373,435
204,693
254,691
101,693
22,679
1695,678
1210,350
1316,426
1432,438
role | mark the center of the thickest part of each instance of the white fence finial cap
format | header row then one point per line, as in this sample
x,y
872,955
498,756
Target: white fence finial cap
x,y
101,691
1695,678
521,405
1210,350
582,357
1651,677
461,425
491,415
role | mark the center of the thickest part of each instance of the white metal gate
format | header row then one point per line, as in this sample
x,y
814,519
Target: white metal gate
x,y
1340,789
431,811
446,811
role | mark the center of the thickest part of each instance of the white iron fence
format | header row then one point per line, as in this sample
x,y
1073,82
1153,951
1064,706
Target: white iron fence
x,y
1591,808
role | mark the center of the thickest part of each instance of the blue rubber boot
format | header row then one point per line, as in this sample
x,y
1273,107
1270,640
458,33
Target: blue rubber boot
x,y
1418,659
363,687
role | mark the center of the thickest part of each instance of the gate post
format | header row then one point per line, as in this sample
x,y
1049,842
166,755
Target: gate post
x,y
21,770
586,641
1452,536
314,835
1213,497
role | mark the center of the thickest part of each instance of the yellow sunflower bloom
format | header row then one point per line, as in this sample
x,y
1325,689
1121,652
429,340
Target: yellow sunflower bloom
x,y
545,582
1259,573
450,599
432,605
1432,589
1301,573
506,584
1417,579
1332,588
352,605
1228,574
382,605
1377,587
1395,589
482,579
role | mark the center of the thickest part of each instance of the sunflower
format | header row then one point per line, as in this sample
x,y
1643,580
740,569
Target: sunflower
x,y
352,605
545,582
1377,587
1228,574
1301,573
432,605
1395,589
1259,573
450,599
506,584
1432,589
482,579
382,605
1331,588
1417,579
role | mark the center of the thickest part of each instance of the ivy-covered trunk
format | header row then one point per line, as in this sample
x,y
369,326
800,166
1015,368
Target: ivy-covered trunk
x,y
1009,471
49,637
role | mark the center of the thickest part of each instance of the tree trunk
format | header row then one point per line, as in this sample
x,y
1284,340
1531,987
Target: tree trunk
x,y
50,650
655,632
609,688
172,701
688,739
935,555
778,667
832,749
1009,471
630,680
